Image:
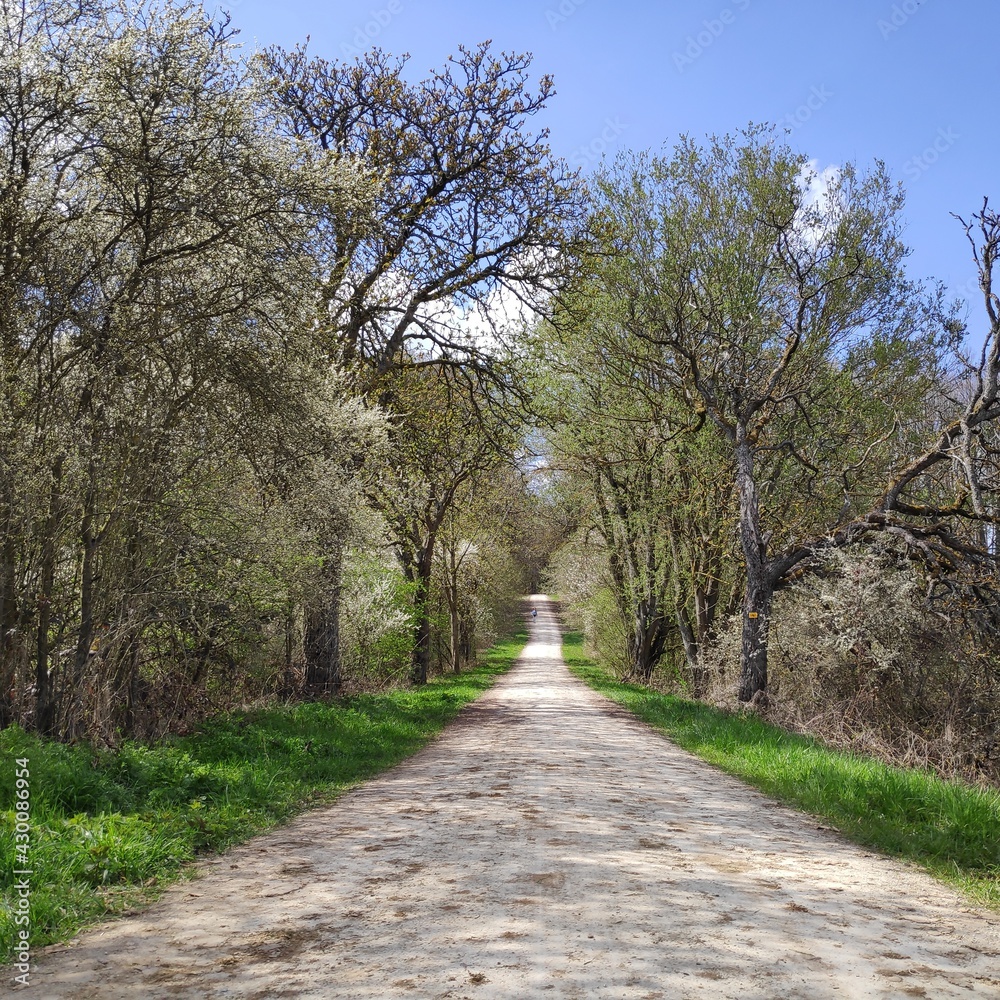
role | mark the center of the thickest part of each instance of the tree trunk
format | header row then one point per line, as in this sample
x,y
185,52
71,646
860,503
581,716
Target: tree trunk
x,y
289,684
45,702
451,593
467,642
125,684
456,634
692,652
321,642
45,707
89,540
8,625
648,639
422,630
321,647
706,603
695,634
759,590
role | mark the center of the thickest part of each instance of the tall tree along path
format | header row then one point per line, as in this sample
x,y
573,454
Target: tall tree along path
x,y
546,845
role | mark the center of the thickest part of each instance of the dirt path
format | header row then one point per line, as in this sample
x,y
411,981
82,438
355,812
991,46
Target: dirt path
x,y
547,845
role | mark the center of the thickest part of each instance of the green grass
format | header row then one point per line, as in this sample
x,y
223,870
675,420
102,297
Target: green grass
x,y
949,828
109,829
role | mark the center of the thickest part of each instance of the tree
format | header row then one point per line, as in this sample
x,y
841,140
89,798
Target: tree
x,y
478,549
779,311
472,211
466,230
653,479
439,444
152,334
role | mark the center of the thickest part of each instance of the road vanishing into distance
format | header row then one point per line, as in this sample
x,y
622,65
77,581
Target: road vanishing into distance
x,y
547,844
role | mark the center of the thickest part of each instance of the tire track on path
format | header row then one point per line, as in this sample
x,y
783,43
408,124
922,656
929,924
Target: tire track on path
x,y
547,844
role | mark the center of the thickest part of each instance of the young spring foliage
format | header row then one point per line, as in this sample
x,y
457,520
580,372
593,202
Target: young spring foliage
x,y
770,306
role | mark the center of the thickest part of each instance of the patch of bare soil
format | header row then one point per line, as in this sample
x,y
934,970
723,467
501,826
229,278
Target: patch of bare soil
x,y
546,845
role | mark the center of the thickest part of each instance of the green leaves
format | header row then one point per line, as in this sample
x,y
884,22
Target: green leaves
x,y
733,292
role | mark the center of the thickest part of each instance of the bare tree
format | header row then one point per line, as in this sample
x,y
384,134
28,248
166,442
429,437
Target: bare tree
x,y
472,210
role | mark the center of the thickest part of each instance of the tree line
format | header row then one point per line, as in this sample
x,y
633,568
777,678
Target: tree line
x,y
310,366
775,441
257,422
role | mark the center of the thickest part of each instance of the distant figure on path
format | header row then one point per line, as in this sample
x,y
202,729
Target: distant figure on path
x,y
534,612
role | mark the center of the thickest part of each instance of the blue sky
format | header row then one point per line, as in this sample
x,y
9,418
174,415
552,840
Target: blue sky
x,y
909,83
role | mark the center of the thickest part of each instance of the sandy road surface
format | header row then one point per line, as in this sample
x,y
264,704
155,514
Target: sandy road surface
x,y
546,845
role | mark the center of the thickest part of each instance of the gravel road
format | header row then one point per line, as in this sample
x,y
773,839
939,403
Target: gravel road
x,y
546,845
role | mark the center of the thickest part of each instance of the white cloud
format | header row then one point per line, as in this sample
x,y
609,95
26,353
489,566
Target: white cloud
x,y
820,189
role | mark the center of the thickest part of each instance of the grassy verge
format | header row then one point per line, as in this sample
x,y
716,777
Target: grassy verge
x,y
108,830
951,829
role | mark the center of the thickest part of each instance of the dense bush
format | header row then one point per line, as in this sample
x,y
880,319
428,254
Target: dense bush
x,y
863,659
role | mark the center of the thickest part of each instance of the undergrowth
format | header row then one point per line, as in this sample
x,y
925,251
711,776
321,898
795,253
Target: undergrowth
x,y
950,828
109,830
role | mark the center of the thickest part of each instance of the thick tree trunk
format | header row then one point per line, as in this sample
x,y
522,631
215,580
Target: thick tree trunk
x,y
759,590
757,612
321,647
321,642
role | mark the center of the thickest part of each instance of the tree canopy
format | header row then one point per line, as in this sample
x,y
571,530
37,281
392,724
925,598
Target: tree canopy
x,y
728,287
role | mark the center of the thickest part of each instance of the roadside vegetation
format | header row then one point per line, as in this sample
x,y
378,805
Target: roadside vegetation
x,y
945,826
259,424
304,379
309,368
777,452
111,828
